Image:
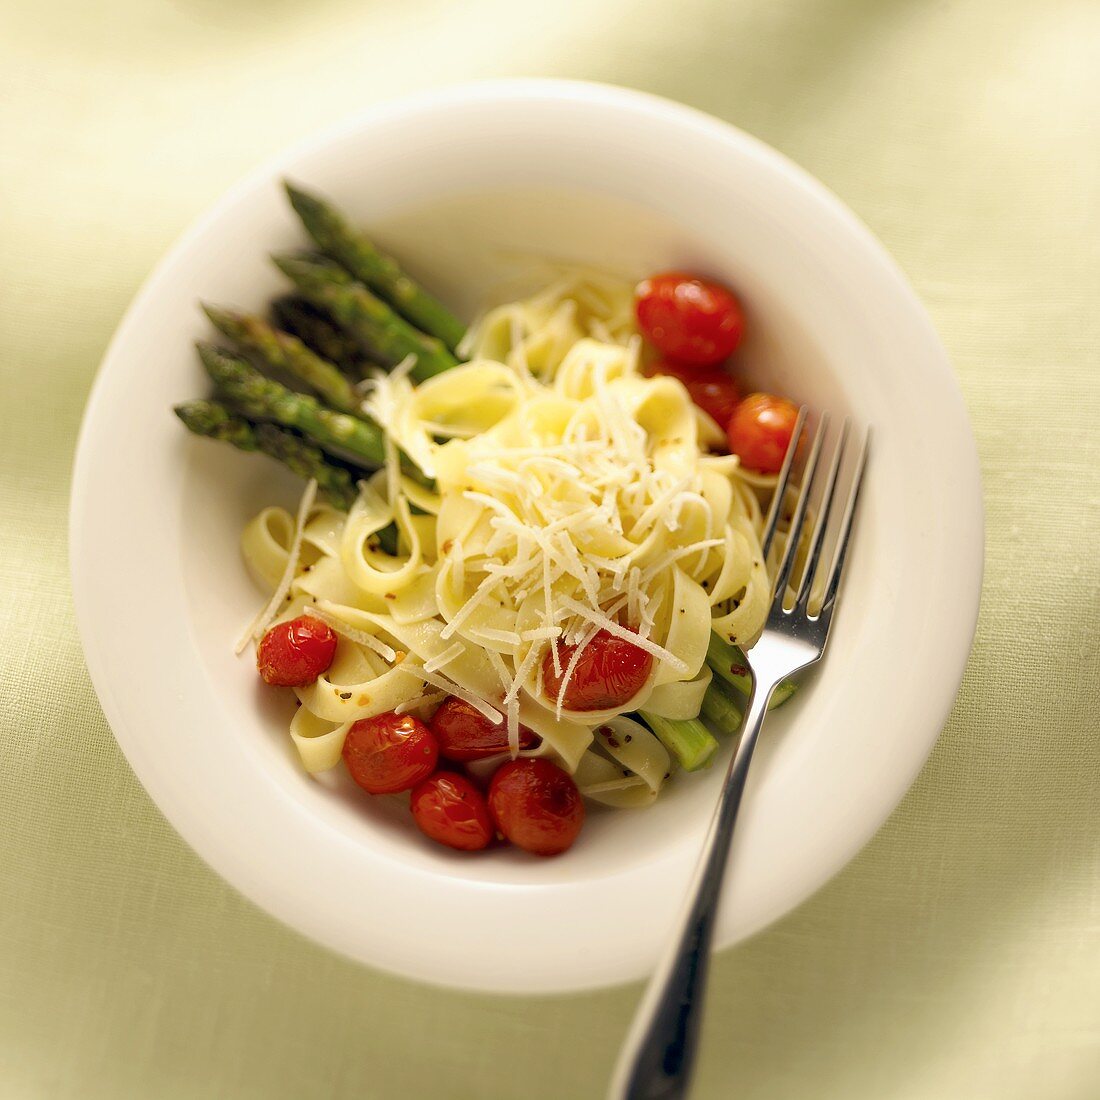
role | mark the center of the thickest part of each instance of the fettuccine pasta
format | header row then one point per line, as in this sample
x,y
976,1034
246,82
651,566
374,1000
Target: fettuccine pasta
x,y
572,495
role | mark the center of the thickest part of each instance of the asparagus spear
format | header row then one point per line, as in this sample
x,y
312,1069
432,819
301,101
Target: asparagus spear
x,y
382,273
262,399
383,333
280,351
720,708
687,739
728,662
318,331
215,421
723,703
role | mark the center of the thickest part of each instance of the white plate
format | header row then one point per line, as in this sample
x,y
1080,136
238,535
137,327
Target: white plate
x,y
466,185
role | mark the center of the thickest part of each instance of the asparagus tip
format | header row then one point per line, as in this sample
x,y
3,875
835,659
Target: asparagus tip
x,y
218,316
307,262
299,198
287,262
214,355
201,417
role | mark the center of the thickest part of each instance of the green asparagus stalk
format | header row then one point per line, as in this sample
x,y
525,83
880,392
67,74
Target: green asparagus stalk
x,y
688,739
282,352
382,273
260,398
382,332
728,662
319,332
720,708
215,421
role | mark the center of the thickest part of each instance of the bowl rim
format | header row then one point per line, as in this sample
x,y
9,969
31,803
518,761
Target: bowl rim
x,y
83,567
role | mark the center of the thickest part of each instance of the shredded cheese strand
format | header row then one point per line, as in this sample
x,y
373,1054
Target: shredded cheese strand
x,y
259,625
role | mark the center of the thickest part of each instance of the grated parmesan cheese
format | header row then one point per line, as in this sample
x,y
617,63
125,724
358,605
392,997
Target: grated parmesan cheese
x,y
451,688
259,625
324,612
451,653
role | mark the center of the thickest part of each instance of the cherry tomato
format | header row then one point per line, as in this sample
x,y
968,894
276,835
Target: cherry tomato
x,y
449,808
711,388
610,672
688,319
536,805
464,733
760,430
390,752
296,652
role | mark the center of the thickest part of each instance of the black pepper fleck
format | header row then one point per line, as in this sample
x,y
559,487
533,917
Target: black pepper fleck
x,y
345,695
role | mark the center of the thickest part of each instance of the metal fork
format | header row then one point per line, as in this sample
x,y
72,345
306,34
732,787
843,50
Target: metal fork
x,y
658,1056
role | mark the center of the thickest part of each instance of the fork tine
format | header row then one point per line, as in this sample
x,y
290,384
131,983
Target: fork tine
x,y
817,540
790,551
780,492
845,529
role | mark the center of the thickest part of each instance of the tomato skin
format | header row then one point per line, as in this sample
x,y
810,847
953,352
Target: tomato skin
x,y
390,753
714,390
536,806
610,672
691,320
760,430
464,733
450,809
295,653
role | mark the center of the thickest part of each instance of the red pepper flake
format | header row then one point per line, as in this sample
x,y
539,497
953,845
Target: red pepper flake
x,y
609,735
391,595
739,670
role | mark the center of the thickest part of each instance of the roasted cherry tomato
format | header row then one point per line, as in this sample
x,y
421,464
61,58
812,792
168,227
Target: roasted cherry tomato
x,y
711,388
760,430
688,319
464,733
449,808
536,805
296,652
610,672
390,752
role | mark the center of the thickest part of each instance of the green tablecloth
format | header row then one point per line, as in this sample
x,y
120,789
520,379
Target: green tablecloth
x,y
959,955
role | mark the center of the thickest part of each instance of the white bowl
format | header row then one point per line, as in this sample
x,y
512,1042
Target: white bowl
x,y
465,185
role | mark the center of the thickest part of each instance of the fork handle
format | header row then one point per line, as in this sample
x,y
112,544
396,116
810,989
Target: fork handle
x,y
659,1053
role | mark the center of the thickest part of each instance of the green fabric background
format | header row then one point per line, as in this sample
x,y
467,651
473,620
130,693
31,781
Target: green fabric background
x,y
959,955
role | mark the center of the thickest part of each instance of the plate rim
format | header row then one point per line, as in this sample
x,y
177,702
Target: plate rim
x,y
971,556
